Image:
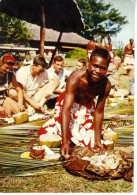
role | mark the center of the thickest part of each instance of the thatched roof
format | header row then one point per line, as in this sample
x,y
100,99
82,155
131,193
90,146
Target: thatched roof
x,y
52,36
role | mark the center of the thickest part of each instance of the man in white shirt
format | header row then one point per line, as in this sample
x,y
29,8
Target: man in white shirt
x,y
114,78
61,73
37,85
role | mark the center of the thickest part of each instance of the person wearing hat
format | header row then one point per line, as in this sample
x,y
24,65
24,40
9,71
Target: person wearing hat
x,y
9,106
37,85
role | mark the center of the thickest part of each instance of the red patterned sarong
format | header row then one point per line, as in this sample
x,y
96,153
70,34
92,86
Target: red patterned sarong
x,y
81,123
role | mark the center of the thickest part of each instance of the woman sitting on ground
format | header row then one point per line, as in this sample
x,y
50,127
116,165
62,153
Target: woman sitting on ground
x,y
8,106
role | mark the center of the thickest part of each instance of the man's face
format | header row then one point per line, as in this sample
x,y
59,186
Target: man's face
x,y
97,68
58,66
79,65
132,41
37,69
5,68
109,40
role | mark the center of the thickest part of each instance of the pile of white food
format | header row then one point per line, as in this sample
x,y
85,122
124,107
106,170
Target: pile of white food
x,y
9,120
37,116
105,161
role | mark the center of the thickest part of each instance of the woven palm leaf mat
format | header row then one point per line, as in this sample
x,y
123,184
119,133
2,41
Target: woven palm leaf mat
x,y
14,140
121,119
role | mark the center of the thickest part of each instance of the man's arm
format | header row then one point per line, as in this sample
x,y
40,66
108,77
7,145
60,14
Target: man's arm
x,y
31,102
72,83
99,115
53,85
3,112
19,90
125,51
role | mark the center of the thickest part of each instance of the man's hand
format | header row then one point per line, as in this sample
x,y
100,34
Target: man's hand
x,y
21,107
3,113
37,107
65,150
48,95
98,145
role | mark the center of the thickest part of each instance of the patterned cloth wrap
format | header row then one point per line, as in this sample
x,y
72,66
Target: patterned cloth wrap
x,y
81,123
129,62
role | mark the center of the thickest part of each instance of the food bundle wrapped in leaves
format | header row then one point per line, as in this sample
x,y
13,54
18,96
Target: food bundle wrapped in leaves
x,y
100,165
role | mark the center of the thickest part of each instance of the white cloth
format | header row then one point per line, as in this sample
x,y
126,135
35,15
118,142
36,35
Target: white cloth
x,y
31,84
62,76
129,62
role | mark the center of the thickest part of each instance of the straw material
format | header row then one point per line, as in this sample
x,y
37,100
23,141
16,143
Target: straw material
x,y
14,140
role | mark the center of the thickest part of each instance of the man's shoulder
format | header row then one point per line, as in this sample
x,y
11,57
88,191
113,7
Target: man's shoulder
x,y
23,68
24,71
49,69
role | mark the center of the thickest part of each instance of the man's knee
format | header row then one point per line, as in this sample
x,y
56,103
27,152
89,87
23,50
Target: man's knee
x,y
12,93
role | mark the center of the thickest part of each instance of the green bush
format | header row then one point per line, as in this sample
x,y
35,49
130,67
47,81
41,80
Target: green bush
x,y
77,53
119,52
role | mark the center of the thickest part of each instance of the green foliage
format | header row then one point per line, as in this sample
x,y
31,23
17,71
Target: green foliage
x,y
77,53
119,52
13,30
100,19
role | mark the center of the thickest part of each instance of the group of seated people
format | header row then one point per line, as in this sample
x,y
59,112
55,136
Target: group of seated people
x,y
37,87
32,86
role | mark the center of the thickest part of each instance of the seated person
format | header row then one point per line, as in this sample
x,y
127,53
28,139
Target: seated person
x,y
37,86
62,74
114,78
81,63
9,106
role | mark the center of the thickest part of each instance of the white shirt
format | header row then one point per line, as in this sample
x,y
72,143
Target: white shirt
x,y
62,75
23,75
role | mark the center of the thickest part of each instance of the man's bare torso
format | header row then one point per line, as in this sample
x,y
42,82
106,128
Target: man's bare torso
x,y
91,45
86,91
129,49
108,47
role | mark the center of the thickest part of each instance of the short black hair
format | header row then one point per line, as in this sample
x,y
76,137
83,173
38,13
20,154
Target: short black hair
x,y
102,53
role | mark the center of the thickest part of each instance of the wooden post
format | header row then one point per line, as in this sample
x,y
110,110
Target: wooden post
x,y
54,52
42,30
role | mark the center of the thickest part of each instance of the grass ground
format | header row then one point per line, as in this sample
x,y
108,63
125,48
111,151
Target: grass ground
x,y
55,179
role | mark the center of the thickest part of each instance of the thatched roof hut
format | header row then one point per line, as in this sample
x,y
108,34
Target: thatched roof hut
x,y
60,15
51,37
